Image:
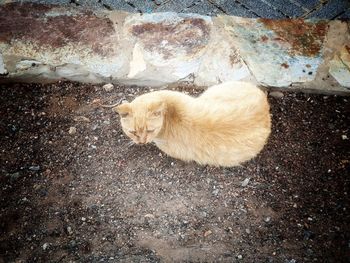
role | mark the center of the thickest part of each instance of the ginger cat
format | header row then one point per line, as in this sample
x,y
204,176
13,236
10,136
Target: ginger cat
x,y
225,126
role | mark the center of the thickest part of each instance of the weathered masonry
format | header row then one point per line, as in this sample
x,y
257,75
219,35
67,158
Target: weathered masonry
x,y
47,42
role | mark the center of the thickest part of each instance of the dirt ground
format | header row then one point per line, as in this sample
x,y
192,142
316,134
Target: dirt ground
x,y
73,188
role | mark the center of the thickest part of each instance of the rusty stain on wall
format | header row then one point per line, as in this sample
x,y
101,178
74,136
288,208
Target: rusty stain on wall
x,y
347,48
26,22
304,37
190,34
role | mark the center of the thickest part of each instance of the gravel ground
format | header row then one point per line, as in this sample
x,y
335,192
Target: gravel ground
x,y
73,188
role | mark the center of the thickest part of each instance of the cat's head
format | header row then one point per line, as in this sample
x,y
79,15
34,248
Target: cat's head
x,y
141,120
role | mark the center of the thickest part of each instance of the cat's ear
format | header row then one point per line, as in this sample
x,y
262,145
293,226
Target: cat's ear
x,y
157,109
124,110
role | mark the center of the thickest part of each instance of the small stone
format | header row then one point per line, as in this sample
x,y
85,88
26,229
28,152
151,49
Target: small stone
x,y
25,200
81,119
207,233
72,244
149,216
344,137
276,94
108,87
240,257
72,130
215,192
34,168
46,246
267,219
69,230
245,182
247,231
83,219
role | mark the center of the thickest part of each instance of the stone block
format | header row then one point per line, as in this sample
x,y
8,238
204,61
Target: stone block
x,y
340,66
278,52
169,46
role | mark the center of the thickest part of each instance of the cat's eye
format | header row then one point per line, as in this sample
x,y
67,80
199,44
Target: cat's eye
x,y
150,131
157,113
133,132
124,115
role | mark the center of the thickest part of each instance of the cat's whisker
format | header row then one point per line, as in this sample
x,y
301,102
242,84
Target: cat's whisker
x,y
159,141
129,144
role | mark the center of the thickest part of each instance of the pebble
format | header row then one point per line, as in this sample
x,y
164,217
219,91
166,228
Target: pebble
x,y
276,94
207,233
46,246
83,219
240,257
267,219
149,216
108,87
344,137
72,130
245,182
69,230
34,168
247,231
215,192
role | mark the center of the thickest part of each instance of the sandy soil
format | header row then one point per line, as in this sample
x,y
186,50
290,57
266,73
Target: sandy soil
x,y
73,188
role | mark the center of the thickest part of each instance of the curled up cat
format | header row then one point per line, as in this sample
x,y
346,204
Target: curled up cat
x,y
227,125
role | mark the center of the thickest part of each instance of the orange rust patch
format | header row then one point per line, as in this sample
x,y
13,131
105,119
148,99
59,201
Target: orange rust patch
x,y
190,34
305,38
28,22
285,65
264,38
347,48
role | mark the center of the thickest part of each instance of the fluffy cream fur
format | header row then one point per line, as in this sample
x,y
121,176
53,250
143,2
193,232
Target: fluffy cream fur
x,y
225,126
